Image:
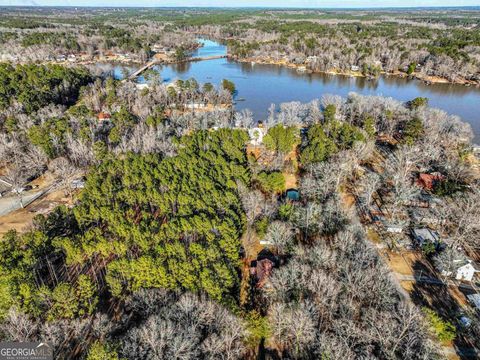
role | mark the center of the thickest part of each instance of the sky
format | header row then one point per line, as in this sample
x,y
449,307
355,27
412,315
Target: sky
x,y
246,3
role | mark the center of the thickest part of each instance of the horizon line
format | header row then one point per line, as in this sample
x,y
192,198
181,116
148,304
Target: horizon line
x,y
242,7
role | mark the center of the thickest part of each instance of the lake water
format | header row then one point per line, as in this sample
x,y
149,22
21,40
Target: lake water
x,y
262,85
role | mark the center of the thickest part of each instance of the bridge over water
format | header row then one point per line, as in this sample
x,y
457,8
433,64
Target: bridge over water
x,y
154,62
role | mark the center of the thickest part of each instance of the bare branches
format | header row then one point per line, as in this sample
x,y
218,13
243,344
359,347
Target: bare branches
x,y
182,327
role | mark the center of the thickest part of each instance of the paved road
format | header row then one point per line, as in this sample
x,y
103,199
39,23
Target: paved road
x,y
433,281
12,202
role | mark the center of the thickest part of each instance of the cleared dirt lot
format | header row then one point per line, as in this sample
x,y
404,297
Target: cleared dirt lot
x,y
21,219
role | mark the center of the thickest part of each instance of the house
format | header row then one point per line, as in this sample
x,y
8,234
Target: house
x,y
77,183
256,135
355,68
467,271
141,86
422,236
158,48
193,106
428,181
475,300
103,116
299,60
262,269
460,267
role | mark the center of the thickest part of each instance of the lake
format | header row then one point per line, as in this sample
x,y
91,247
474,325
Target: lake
x,y
261,85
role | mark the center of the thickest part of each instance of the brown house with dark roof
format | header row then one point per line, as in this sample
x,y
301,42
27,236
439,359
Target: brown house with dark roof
x,y
262,269
428,181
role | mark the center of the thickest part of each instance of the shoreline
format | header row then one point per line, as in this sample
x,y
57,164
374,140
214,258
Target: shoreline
x,y
302,69
428,80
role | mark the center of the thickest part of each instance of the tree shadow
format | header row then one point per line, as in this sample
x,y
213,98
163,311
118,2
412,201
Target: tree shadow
x,y
436,296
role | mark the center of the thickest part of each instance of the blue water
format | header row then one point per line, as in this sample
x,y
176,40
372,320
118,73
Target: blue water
x,y
262,85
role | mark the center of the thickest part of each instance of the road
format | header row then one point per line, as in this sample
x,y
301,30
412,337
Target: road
x,y
192,59
432,281
12,202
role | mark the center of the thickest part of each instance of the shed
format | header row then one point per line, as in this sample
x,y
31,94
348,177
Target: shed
x,y
78,183
103,116
393,228
293,195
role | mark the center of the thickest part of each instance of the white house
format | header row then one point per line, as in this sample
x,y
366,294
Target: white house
x,y
466,272
256,135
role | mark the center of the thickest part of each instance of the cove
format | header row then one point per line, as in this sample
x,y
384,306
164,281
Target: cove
x,y
261,85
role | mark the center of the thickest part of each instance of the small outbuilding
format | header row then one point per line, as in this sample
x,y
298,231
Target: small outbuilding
x,y
78,183
103,116
293,195
393,228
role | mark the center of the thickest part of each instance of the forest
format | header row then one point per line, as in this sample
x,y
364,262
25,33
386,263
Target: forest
x,y
430,45
169,225
182,242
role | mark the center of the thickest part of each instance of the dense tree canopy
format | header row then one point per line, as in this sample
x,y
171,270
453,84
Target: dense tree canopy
x,y
281,139
169,223
35,86
324,140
